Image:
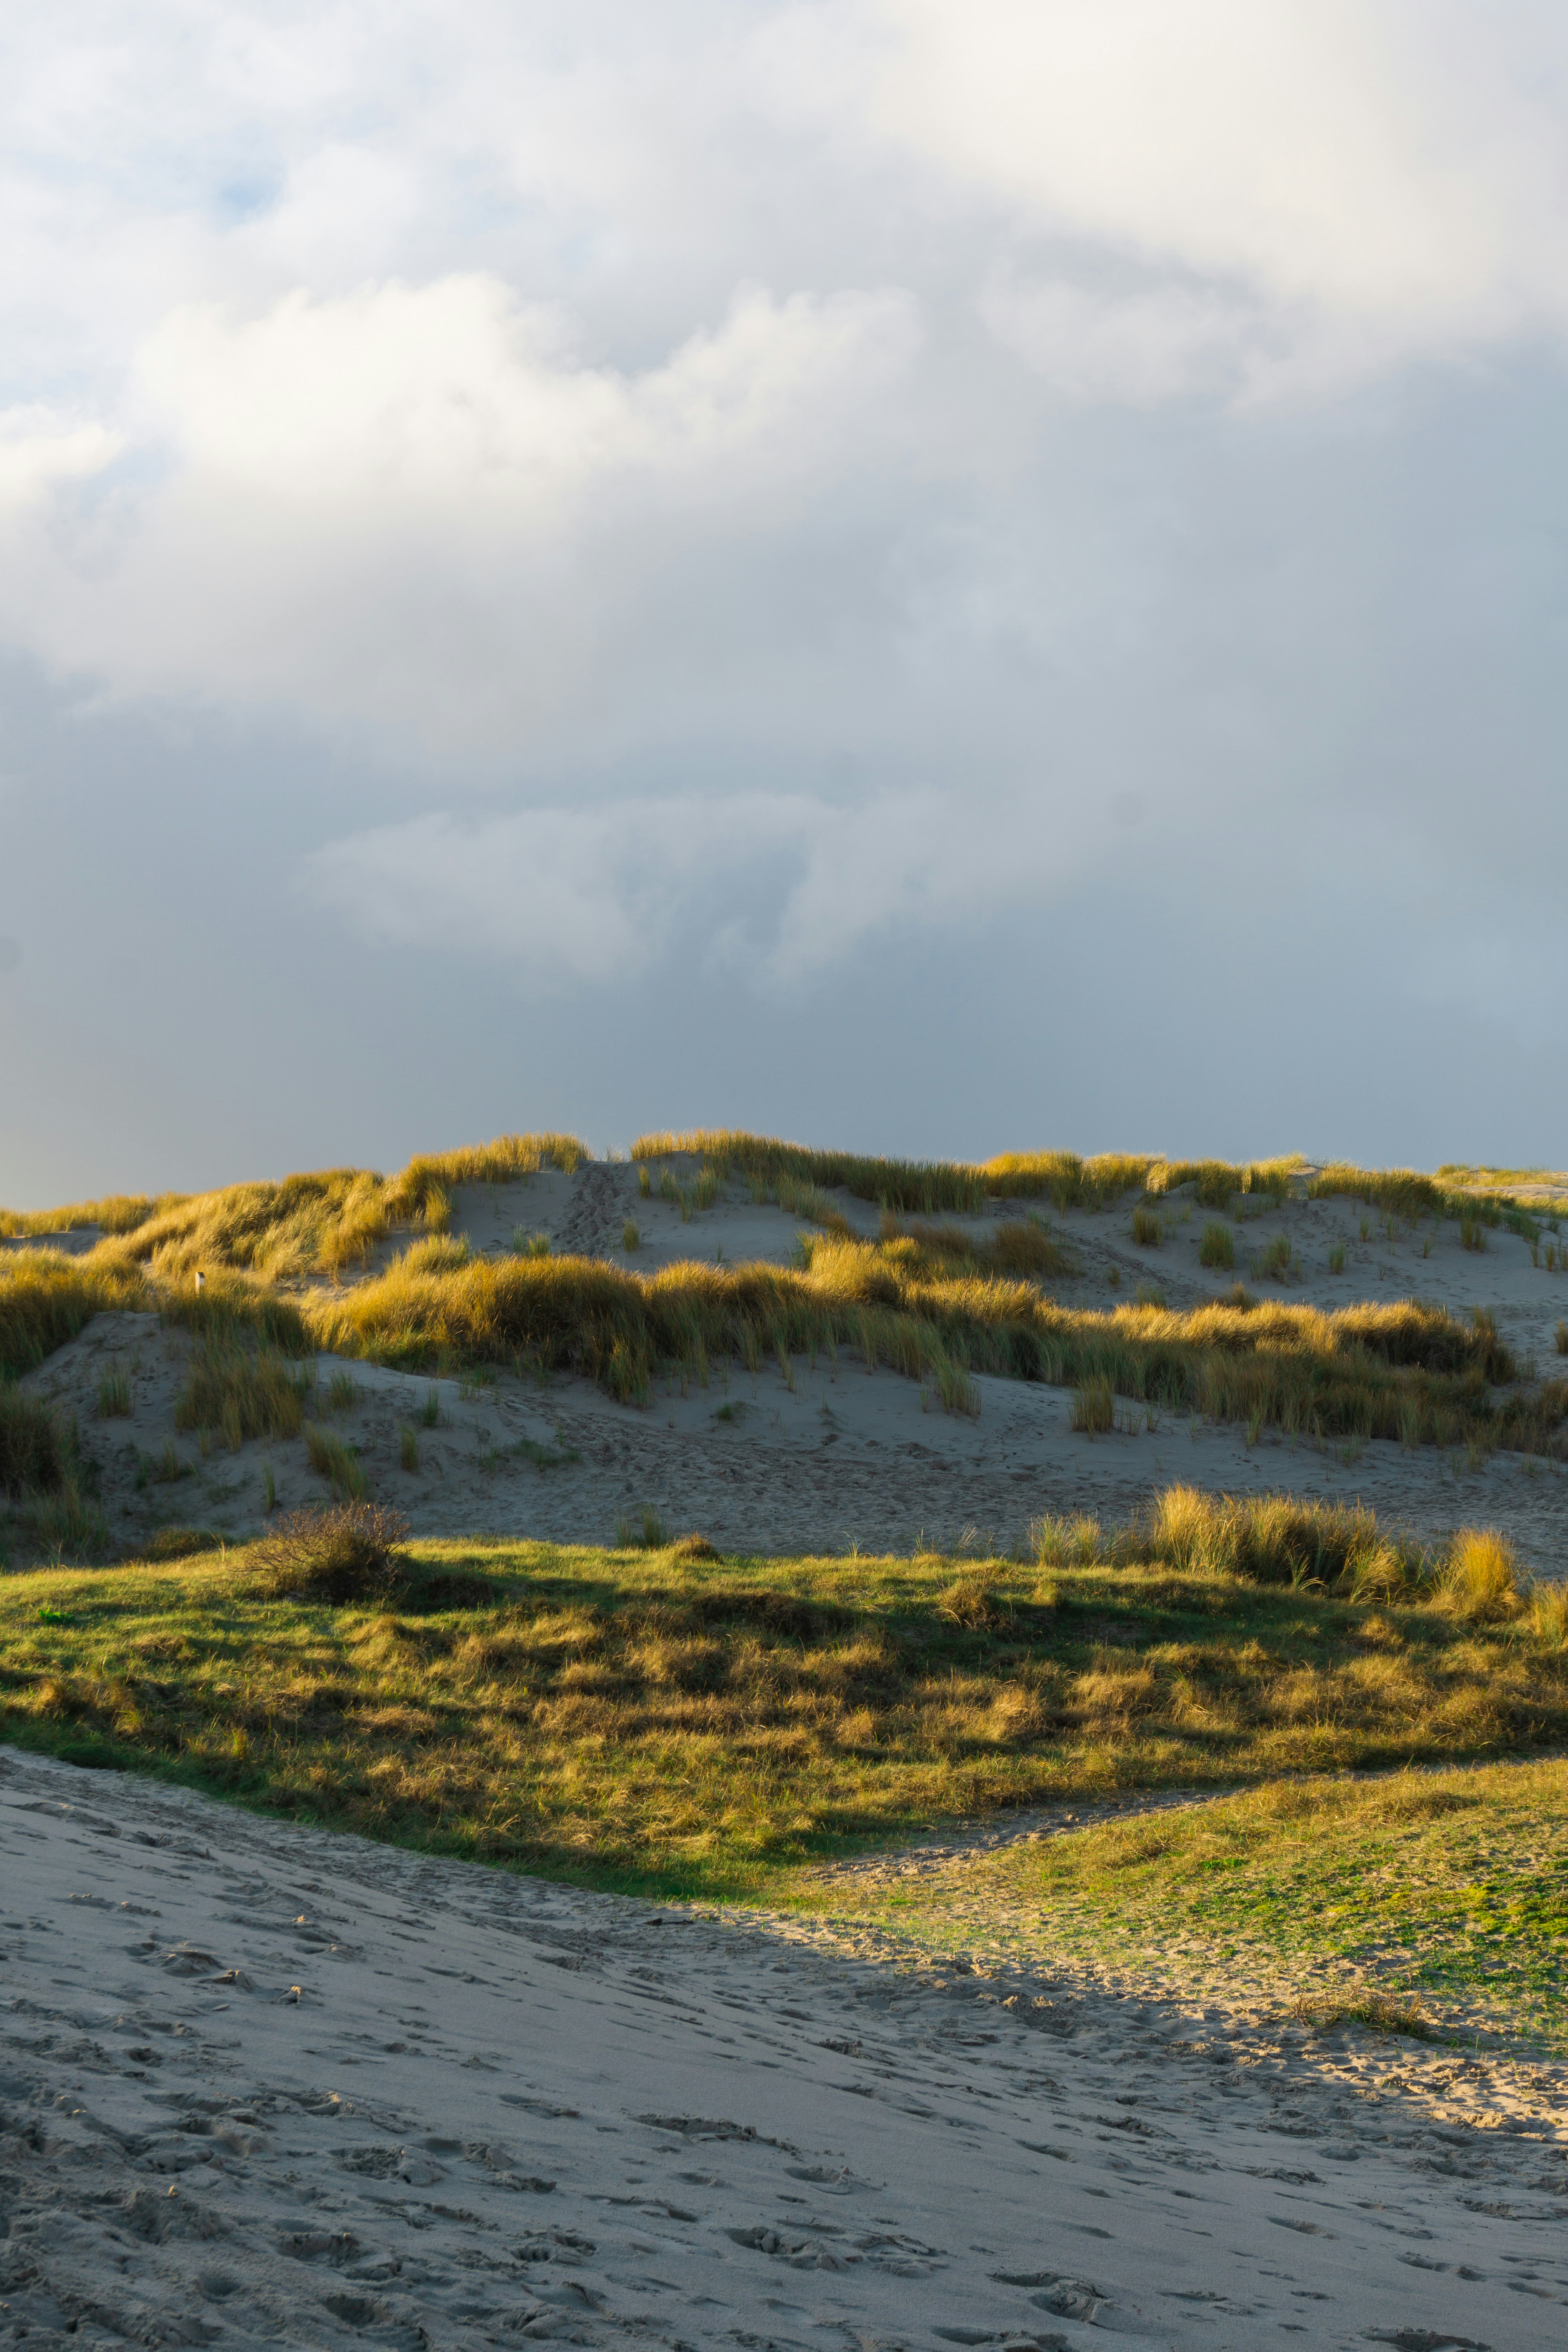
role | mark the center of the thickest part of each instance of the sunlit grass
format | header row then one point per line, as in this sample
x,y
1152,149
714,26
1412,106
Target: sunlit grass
x,y
707,1724
1423,1903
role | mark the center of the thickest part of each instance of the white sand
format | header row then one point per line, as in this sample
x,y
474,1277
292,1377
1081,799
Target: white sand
x,y
264,2085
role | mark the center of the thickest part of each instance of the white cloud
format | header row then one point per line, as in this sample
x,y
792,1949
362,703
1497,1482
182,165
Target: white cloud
x,y
1387,177
1136,350
416,508
598,894
40,450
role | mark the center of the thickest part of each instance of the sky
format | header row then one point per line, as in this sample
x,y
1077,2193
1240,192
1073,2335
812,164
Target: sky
x,y
929,578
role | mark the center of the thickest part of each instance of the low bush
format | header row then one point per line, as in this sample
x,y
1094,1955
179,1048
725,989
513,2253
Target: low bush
x,y
352,1552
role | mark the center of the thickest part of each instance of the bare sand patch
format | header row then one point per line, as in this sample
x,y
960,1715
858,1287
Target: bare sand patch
x,y
261,2084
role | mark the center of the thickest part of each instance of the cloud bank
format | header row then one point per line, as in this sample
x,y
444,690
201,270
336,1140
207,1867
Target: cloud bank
x,y
797,477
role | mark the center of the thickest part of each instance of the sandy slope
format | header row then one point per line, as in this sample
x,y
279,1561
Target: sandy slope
x,y
843,1459
259,2083
835,1458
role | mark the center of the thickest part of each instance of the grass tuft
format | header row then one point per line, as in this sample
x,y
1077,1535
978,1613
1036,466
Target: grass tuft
x,y
641,1531
1217,1247
1479,1579
1094,1408
335,1460
35,1451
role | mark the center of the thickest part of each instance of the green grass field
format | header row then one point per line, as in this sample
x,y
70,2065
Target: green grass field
x,y
1435,1902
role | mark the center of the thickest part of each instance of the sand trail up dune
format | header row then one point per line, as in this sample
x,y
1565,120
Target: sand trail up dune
x,y
261,2084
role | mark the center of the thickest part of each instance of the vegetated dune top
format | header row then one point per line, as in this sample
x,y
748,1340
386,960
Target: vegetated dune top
x,y
795,1348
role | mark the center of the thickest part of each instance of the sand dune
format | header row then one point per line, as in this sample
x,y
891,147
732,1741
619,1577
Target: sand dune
x,y
264,2085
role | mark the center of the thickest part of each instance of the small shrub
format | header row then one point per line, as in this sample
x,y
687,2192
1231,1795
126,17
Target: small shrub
x,y
975,1604
408,1445
630,1237
1217,1247
1094,1408
1480,1579
693,1548
336,1461
114,1397
351,1553
1147,1229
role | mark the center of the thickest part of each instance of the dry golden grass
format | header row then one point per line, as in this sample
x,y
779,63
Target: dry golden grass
x,y
306,1225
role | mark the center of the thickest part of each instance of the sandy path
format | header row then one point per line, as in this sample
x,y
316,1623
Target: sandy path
x,y
265,2084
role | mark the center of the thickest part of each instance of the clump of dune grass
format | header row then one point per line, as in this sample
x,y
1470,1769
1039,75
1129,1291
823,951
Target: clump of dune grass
x,y
1281,1539
1559,1339
408,1445
1093,1408
1547,1610
1218,1248
114,1396
1148,1230
353,1553
1479,1579
331,1458
630,1237
641,1531
1379,2012
241,1393
35,1449
1067,1543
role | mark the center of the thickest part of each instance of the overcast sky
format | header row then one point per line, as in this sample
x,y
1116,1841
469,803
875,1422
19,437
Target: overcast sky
x,y
943,575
